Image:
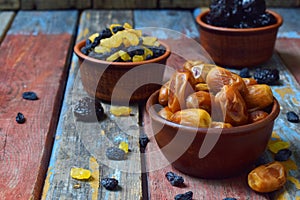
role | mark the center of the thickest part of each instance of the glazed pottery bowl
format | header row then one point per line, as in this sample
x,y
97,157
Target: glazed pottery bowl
x,y
211,152
238,47
121,82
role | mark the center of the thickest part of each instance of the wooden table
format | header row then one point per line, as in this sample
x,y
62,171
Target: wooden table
x,y
36,157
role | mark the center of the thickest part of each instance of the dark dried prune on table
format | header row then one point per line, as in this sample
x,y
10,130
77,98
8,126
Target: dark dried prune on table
x,y
292,117
115,29
245,73
144,141
266,76
229,198
20,118
114,153
88,110
109,183
185,196
283,155
105,33
30,96
174,179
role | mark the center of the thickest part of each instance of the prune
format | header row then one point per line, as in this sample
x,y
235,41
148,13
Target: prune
x,y
105,33
157,51
239,14
185,196
283,155
245,73
88,110
174,179
30,96
20,118
115,29
109,183
266,76
292,117
229,198
114,153
135,50
143,141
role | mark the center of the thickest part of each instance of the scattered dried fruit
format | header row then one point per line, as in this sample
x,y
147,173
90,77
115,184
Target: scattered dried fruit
x,y
292,117
174,179
185,196
120,110
275,146
283,155
229,198
245,73
267,178
266,76
20,118
109,183
88,110
114,153
124,146
30,96
143,141
80,173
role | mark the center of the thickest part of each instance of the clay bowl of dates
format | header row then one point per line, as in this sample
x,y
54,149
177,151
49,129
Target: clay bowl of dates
x,y
118,63
239,43
210,123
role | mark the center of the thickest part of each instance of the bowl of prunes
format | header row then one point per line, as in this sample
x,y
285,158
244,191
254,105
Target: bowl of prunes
x,y
211,123
239,33
121,64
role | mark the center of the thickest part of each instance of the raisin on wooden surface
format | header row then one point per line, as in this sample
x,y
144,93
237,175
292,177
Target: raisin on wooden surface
x,y
30,96
185,196
88,110
109,183
20,118
174,179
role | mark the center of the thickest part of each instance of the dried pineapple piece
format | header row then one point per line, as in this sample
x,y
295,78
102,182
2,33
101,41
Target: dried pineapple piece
x,y
101,49
124,55
120,110
127,26
137,58
149,41
124,146
113,57
93,36
80,173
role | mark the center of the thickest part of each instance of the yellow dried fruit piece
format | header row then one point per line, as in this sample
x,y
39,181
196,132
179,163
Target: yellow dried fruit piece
x,y
101,49
137,58
131,37
127,26
93,36
124,55
113,42
124,146
277,145
80,173
120,110
147,52
112,26
268,177
138,33
113,57
195,117
149,41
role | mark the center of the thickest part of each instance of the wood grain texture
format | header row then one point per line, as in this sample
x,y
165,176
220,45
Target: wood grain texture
x,y
50,4
9,4
125,4
6,19
84,144
25,148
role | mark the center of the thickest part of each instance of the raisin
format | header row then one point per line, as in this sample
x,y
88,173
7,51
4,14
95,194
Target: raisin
x,y
283,155
245,73
89,110
30,96
292,117
114,153
157,51
185,196
229,198
105,33
20,118
115,29
174,179
266,76
109,183
143,141
135,50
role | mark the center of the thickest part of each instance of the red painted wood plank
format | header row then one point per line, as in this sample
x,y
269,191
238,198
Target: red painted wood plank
x,y
34,60
289,51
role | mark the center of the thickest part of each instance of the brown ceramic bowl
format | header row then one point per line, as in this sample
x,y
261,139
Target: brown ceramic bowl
x,y
235,151
235,47
102,79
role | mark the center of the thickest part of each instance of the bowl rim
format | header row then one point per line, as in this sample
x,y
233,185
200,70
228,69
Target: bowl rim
x,y
81,43
202,24
229,131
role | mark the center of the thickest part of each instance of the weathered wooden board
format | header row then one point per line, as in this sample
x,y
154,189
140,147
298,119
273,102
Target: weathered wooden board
x,y
34,56
50,4
183,4
9,4
6,20
288,95
125,4
84,144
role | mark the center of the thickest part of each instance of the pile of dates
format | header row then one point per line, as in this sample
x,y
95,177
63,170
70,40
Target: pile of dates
x,y
239,14
122,43
206,95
